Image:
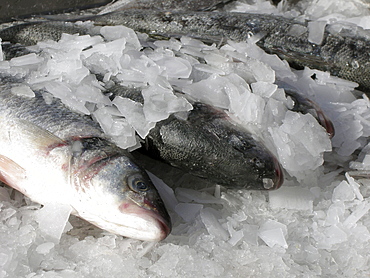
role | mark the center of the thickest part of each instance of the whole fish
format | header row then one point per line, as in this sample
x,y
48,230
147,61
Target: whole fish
x,y
208,144
345,54
52,154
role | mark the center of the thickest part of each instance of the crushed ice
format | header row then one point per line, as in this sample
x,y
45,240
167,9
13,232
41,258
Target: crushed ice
x,y
316,224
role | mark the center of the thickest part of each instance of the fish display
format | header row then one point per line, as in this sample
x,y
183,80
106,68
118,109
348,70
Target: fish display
x,y
208,144
54,155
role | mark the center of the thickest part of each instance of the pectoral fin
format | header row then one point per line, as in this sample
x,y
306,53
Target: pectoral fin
x,y
11,173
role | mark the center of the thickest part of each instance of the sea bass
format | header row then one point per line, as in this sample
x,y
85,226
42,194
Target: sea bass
x,y
52,154
343,52
208,144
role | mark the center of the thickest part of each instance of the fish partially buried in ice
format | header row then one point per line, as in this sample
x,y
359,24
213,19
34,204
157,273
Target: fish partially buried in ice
x,y
344,51
52,154
208,144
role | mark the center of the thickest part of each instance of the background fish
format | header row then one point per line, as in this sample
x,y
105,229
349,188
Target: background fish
x,y
208,144
54,155
344,54
165,5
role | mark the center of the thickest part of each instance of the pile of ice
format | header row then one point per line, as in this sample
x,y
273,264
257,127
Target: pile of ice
x,y
317,224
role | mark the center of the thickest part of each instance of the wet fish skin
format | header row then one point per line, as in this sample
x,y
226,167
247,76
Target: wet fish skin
x,y
342,54
208,145
30,33
167,5
54,155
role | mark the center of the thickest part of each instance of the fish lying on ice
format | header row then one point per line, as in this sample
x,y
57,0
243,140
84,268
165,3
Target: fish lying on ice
x,y
208,144
305,105
51,154
342,51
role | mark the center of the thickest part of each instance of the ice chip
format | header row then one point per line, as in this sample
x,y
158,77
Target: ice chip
x,y
316,31
52,219
273,233
23,90
175,67
188,211
134,114
165,191
334,235
159,103
212,224
111,33
343,192
289,197
45,248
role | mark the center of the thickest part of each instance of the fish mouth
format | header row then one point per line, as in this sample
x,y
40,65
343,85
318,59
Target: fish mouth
x,y
278,179
326,123
151,225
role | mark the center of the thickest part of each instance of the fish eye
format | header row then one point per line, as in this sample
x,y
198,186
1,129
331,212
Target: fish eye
x,y
137,184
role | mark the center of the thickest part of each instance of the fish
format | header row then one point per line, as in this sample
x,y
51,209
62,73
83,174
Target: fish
x,y
345,53
209,145
30,33
306,105
54,155
166,5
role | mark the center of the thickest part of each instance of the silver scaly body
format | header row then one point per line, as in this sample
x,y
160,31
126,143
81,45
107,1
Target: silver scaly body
x,y
54,155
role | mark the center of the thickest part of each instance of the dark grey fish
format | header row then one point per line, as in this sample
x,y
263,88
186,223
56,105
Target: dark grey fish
x,y
344,54
167,5
31,33
53,155
209,145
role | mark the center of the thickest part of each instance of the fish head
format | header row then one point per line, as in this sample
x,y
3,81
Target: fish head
x,y
254,166
268,170
117,195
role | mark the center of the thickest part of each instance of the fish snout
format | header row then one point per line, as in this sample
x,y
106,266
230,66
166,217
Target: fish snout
x,y
279,174
150,223
278,177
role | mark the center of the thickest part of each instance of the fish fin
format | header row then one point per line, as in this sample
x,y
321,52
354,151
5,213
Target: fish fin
x,y
11,173
40,137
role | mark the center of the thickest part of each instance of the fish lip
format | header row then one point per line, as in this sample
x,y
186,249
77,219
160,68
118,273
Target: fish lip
x,y
326,123
163,225
279,175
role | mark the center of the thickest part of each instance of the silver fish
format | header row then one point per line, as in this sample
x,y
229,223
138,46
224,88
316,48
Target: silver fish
x,y
208,144
51,154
